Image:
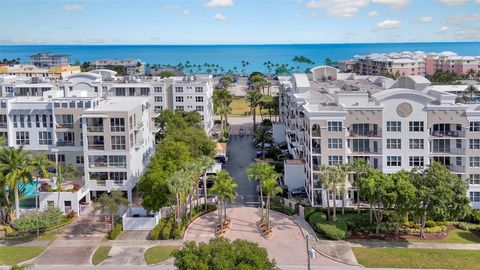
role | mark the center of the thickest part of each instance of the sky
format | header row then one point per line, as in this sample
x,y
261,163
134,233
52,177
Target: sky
x,y
237,21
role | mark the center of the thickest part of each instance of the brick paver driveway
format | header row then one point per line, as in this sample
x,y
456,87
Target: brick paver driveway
x,y
287,245
76,244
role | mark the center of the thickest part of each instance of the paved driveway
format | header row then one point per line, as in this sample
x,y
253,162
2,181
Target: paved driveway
x,y
240,155
76,244
287,245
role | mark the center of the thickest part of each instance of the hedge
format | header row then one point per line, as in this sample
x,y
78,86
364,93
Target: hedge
x,y
115,233
333,230
165,234
317,217
277,205
155,232
468,226
46,220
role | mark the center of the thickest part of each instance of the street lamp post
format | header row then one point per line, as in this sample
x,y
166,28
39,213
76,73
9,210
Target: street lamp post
x,y
308,252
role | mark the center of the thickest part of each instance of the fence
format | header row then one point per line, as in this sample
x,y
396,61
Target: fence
x,y
136,219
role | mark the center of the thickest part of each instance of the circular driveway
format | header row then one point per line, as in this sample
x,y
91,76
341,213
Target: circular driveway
x,y
287,245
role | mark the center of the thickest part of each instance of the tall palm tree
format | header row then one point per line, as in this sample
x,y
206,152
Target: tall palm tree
x,y
254,98
325,174
17,168
340,177
271,189
471,91
64,173
256,172
224,188
262,136
205,163
40,162
178,184
111,203
360,168
222,98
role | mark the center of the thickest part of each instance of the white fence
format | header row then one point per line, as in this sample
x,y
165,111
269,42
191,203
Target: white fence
x,y
136,219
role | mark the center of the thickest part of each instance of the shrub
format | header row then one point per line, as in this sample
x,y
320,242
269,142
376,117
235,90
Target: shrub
x,y
309,210
356,222
473,216
45,220
76,187
468,226
8,230
71,214
178,231
117,230
437,229
167,228
155,232
430,224
277,205
333,230
317,217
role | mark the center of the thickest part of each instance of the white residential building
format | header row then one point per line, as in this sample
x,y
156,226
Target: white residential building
x,y
334,117
133,66
49,60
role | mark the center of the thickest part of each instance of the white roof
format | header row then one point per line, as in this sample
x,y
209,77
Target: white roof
x,y
118,104
301,80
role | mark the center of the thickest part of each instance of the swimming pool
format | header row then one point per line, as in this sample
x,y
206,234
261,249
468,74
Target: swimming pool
x,y
29,189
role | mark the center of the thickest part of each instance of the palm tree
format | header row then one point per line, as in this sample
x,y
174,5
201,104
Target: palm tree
x,y
471,91
111,203
256,172
222,98
205,163
177,184
262,136
224,188
325,174
271,189
40,163
16,167
360,169
340,176
66,172
254,98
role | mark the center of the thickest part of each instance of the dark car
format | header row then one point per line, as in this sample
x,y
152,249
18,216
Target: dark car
x,y
299,192
260,154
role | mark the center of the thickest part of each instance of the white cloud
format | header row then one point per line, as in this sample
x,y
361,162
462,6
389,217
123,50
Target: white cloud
x,y
392,3
73,8
452,2
470,34
220,17
373,13
425,19
464,18
219,3
477,2
389,24
443,29
339,8
186,12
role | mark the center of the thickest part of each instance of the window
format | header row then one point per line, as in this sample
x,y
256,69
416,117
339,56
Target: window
x,y
474,143
199,99
118,176
475,196
335,160
416,161
199,108
179,108
119,91
416,144
458,161
394,161
118,142
458,143
144,91
79,160
475,126
335,143
361,145
117,124
44,138
394,126
117,161
474,179
334,126
416,126
158,99
23,138
394,144
198,89
178,89
157,89
179,99
474,161
131,91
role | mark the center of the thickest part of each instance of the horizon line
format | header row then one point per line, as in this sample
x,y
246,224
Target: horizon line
x,y
232,44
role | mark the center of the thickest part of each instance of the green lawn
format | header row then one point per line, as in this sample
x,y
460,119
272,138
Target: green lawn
x,y
101,253
417,258
10,255
456,236
240,107
158,254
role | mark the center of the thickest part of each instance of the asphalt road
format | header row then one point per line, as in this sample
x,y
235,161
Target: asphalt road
x,y
241,154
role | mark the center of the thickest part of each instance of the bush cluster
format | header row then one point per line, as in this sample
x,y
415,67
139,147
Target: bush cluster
x,y
277,205
115,233
468,226
333,230
46,220
166,231
8,230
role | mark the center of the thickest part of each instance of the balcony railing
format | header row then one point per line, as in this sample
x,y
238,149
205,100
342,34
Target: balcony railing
x,y
96,146
448,151
64,125
454,133
3,125
65,143
316,150
316,133
369,133
95,128
139,126
139,143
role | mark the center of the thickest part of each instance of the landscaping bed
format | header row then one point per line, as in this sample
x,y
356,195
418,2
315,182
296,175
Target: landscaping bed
x,y
101,254
156,255
166,228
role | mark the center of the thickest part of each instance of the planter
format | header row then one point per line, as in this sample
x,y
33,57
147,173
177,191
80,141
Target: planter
x,y
264,231
227,225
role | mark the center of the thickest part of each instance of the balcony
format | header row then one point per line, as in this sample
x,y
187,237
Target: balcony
x,y
366,133
3,125
156,128
139,143
64,125
453,134
455,168
65,143
96,147
95,128
447,151
139,126
365,151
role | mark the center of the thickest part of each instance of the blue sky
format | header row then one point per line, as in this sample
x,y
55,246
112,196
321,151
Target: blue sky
x,y
237,21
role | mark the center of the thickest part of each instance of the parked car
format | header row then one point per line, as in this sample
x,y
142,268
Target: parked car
x,y
220,159
265,145
260,154
298,192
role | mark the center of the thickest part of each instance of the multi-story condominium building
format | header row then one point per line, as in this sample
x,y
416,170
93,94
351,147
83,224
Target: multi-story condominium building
x,y
405,63
332,117
31,71
133,66
450,61
49,60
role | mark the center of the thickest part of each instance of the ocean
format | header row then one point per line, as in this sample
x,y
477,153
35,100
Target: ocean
x,y
231,56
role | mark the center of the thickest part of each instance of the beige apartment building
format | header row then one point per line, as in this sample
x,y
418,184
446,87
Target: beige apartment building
x,y
332,118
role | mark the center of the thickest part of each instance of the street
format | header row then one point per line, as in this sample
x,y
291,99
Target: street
x,y
240,155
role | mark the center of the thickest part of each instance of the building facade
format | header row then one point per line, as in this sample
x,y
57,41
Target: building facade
x,y
133,67
48,60
450,61
333,118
